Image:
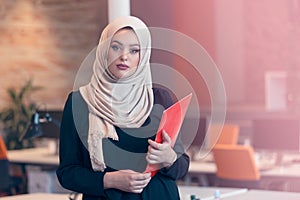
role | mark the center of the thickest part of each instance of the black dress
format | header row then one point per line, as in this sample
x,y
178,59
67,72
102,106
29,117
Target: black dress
x,y
75,171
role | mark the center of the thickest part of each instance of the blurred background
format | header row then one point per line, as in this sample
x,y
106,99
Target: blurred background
x,y
254,44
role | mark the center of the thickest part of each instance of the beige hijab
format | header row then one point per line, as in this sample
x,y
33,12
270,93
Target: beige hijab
x,y
125,102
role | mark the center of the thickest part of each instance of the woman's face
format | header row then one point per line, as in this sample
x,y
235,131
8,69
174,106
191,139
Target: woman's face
x,y
124,53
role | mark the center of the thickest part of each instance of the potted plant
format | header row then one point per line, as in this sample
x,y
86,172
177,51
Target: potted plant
x,y
15,118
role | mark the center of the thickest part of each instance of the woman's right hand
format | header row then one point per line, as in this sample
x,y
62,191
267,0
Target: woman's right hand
x,y
126,180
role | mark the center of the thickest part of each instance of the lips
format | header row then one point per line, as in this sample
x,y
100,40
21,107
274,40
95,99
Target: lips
x,y
122,66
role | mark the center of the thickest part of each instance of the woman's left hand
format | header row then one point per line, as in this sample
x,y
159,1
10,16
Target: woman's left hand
x,y
161,153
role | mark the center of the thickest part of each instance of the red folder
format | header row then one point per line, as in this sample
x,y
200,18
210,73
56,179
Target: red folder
x,y
171,122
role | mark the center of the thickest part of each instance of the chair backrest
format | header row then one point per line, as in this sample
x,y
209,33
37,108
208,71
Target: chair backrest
x,y
228,135
3,150
4,166
4,175
235,162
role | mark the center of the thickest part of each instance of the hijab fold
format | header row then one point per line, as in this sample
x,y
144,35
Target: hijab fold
x,y
125,102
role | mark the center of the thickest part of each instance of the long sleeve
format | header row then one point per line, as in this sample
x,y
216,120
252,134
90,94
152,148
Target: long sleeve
x,y
74,171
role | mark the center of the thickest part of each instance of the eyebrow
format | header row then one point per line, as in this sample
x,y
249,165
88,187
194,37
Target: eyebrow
x,y
120,43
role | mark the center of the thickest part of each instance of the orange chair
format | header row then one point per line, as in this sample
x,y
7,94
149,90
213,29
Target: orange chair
x,y
223,134
3,151
236,166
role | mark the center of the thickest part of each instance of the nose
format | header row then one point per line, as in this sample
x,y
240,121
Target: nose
x,y
124,55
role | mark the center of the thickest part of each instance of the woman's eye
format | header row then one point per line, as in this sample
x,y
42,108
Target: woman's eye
x,y
115,47
134,51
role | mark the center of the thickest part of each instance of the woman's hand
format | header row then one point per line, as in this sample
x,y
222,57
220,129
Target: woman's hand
x,y
126,180
161,153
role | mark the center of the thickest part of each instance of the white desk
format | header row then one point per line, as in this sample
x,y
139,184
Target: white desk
x,y
199,169
41,156
289,171
207,193
202,167
34,156
37,196
38,165
287,174
265,195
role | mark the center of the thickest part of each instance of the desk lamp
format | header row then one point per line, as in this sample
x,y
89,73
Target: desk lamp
x,y
35,129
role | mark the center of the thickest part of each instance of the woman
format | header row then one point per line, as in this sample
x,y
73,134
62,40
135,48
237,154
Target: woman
x,y
108,126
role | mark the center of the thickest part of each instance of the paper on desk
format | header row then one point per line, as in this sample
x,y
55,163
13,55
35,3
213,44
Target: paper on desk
x,y
171,122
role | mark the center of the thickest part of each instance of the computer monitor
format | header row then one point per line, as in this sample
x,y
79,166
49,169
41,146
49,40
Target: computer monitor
x,y
277,135
51,129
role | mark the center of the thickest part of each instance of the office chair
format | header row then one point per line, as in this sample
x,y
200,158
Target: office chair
x,y
3,151
8,185
236,166
229,134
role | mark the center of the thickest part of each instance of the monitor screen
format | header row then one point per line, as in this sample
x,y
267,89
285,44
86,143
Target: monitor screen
x,y
51,129
276,134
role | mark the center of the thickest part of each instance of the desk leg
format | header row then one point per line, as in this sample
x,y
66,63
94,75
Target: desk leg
x,y
19,171
199,179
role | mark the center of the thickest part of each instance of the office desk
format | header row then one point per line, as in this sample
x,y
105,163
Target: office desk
x,y
288,171
198,169
37,165
34,156
265,195
202,167
288,174
37,196
201,171
207,193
